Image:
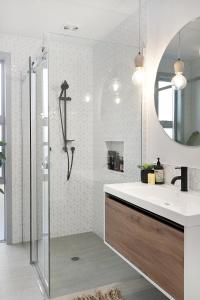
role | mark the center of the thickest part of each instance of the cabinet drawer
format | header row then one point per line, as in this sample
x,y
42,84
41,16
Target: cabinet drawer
x,y
156,248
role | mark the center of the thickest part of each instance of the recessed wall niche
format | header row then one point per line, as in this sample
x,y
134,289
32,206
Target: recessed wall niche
x,y
115,155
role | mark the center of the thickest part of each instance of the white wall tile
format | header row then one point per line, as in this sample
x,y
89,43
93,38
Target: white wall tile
x,y
71,201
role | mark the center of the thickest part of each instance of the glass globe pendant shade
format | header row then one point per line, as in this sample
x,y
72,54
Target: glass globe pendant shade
x,y
179,81
138,76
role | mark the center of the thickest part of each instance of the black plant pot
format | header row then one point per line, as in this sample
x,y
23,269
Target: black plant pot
x,y
144,175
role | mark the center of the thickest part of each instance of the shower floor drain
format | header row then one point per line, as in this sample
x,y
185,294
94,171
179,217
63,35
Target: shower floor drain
x,y
75,258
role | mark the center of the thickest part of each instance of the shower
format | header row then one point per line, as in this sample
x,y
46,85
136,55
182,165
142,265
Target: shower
x,y
64,219
63,119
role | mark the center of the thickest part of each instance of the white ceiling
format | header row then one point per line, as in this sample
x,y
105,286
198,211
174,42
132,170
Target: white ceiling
x,y
95,18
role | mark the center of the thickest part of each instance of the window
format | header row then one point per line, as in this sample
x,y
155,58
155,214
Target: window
x,y
168,106
165,106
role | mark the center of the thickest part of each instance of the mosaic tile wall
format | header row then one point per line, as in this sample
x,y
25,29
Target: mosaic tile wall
x,y
77,205
90,67
193,177
114,121
71,201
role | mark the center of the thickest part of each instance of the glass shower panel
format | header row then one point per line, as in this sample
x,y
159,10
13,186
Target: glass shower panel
x,y
40,171
26,160
33,157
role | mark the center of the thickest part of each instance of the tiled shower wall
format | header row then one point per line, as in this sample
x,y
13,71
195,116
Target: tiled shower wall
x,y
114,121
77,205
71,201
20,49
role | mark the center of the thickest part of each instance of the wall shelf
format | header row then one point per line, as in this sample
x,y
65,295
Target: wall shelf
x,y
115,156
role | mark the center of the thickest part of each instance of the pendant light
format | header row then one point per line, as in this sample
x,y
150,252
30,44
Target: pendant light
x,y
138,74
179,81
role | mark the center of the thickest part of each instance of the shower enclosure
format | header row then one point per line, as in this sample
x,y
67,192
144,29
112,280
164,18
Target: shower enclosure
x,y
66,224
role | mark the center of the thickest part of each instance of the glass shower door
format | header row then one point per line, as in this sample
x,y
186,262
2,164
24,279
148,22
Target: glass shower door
x,y
40,171
26,162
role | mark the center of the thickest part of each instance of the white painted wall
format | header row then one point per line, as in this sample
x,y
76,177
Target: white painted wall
x,y
164,20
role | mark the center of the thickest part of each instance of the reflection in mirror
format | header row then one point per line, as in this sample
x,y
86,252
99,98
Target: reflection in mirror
x,y
178,109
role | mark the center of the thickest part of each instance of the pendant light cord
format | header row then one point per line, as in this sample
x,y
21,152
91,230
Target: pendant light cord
x,y
139,31
179,45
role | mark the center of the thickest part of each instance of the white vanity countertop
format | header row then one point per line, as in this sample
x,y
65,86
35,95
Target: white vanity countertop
x,y
164,200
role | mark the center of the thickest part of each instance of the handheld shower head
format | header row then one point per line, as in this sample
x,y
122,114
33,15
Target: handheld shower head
x,y
63,98
64,86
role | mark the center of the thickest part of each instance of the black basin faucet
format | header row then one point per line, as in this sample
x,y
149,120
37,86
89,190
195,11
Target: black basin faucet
x,y
183,178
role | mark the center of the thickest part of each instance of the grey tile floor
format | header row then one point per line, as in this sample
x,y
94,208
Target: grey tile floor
x,y
17,278
98,266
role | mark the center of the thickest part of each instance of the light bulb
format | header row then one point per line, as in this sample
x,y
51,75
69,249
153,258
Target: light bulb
x,y
179,81
116,85
117,100
138,75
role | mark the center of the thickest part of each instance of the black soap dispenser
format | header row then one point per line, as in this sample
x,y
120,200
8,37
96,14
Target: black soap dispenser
x,y
159,172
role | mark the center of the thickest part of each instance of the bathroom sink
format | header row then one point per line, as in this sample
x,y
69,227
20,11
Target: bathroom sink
x,y
165,200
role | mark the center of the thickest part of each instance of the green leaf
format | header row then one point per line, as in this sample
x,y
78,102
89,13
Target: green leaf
x,y
146,166
1,191
2,143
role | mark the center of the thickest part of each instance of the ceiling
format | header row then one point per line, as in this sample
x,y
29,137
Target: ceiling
x,y
95,18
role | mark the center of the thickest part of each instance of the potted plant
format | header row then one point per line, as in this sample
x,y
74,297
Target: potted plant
x,y
2,158
145,170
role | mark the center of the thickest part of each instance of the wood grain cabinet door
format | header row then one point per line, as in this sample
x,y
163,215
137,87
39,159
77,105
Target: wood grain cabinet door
x,y
156,248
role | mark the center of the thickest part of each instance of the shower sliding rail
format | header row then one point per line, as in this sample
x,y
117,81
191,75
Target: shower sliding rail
x,y
63,119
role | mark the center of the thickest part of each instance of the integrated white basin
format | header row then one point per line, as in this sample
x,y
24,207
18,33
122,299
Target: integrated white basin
x,y
164,200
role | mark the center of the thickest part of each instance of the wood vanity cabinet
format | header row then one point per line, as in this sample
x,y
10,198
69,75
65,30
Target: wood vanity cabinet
x,y
149,243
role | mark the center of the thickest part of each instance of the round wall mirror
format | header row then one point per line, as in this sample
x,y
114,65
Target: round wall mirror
x,y
177,87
